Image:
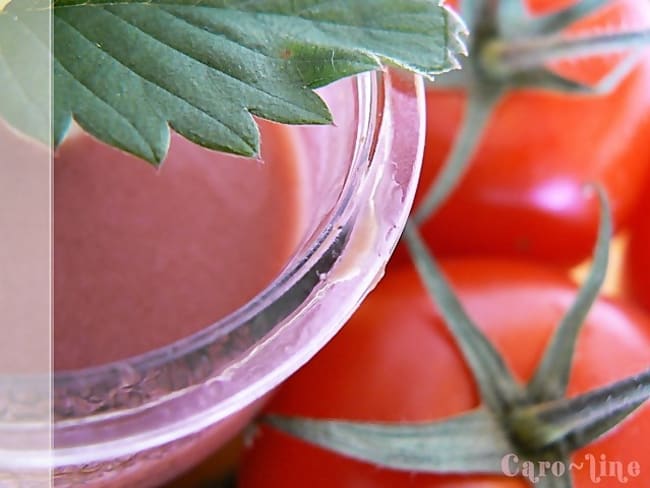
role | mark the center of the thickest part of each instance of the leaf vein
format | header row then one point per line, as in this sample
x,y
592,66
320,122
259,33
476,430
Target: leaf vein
x,y
243,83
161,4
156,84
105,103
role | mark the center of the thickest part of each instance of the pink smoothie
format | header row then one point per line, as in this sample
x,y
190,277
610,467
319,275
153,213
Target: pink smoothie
x,y
144,257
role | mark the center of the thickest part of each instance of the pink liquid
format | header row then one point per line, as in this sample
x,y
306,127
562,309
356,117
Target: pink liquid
x,y
144,257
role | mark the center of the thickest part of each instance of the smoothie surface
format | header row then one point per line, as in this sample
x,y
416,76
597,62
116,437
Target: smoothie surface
x,y
145,256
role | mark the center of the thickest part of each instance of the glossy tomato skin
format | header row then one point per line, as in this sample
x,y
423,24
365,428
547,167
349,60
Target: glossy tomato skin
x,y
523,195
395,361
636,264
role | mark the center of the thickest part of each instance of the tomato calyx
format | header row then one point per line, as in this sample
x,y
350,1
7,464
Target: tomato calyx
x,y
468,443
508,59
574,423
508,51
535,421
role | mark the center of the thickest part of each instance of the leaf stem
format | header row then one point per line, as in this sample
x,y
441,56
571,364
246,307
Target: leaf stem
x,y
557,21
498,388
504,58
545,424
480,105
468,443
552,375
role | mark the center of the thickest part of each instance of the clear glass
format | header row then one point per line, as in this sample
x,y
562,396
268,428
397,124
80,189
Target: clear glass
x,y
141,421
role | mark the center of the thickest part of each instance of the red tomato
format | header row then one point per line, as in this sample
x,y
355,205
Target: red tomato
x,y
636,267
395,361
523,195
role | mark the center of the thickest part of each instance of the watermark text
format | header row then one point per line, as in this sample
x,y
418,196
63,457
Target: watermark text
x,y
599,468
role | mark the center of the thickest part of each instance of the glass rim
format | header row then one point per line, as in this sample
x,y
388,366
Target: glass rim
x,y
372,103
367,83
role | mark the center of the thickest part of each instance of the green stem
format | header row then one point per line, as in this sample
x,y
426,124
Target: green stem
x,y
480,105
468,443
520,55
557,21
498,388
545,424
552,375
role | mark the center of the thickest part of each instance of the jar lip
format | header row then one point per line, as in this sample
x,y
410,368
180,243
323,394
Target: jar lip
x,y
369,87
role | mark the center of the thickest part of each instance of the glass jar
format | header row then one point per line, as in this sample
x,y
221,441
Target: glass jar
x,y
143,420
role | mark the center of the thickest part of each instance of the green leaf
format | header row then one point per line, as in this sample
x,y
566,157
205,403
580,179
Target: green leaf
x,y
469,443
127,69
24,67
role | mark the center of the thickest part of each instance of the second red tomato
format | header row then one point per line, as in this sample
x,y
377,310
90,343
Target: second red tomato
x,y
524,193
